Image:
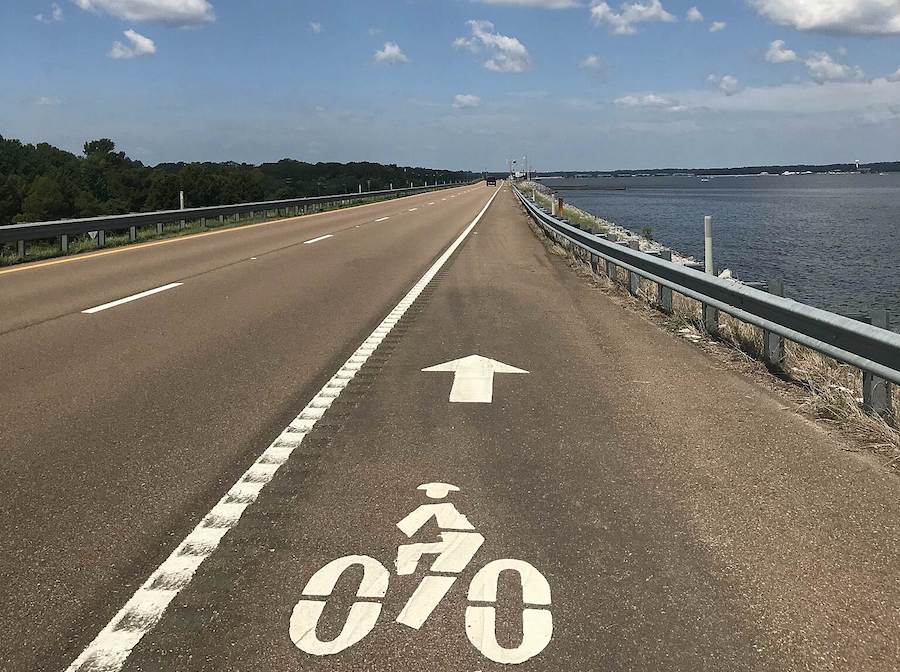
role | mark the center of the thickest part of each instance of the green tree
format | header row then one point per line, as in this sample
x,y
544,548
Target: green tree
x,y
99,147
45,201
12,191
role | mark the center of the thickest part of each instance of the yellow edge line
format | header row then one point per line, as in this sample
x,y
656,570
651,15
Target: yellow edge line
x,y
192,236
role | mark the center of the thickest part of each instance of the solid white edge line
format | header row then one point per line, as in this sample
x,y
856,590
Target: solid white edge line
x,y
140,614
133,297
316,240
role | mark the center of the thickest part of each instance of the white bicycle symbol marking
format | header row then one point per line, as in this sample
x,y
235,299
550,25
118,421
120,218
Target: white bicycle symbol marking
x,y
459,544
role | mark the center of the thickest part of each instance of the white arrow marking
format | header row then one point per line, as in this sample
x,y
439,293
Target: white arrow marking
x,y
473,380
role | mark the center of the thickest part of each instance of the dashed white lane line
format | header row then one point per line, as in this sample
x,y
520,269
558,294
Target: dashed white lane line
x,y
133,297
413,209
316,240
382,219
432,203
140,614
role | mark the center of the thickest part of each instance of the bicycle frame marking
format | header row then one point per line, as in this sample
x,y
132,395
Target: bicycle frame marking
x,y
458,546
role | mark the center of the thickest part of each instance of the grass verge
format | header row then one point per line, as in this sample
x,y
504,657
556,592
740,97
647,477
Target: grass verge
x,y
585,220
37,250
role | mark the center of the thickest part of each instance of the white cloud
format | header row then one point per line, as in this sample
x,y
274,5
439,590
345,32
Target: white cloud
x,y
171,12
694,15
857,17
823,68
836,97
462,101
315,27
630,13
55,15
391,53
138,46
591,62
716,26
779,53
895,77
47,101
727,84
649,101
542,4
505,54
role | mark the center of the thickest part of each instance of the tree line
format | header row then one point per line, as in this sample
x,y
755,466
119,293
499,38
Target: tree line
x,y
41,182
881,167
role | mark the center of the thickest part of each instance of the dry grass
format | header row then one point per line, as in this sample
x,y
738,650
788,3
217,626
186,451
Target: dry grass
x,y
829,391
578,216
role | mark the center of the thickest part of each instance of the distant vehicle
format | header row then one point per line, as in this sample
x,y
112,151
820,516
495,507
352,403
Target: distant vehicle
x,y
490,181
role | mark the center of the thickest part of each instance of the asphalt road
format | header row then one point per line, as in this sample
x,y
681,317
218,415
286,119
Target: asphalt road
x,y
121,428
636,507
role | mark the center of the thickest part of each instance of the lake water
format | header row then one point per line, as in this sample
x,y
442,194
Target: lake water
x,y
835,239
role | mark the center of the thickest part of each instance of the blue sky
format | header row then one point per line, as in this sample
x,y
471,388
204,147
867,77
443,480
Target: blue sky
x,y
458,83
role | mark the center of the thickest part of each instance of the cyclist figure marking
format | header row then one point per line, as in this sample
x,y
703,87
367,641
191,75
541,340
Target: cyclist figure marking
x,y
458,545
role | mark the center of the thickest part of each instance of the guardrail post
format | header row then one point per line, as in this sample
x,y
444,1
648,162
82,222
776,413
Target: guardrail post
x,y
101,238
773,344
159,228
663,293
877,391
610,266
64,244
710,319
634,280
20,249
132,234
221,219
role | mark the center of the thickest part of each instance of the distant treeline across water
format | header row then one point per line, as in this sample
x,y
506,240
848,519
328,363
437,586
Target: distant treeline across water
x,y
800,168
41,182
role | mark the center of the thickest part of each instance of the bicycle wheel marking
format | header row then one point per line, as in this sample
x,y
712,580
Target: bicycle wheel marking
x,y
362,617
537,624
454,552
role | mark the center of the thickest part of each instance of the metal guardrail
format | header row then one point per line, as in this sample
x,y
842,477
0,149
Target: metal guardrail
x,y
67,227
874,350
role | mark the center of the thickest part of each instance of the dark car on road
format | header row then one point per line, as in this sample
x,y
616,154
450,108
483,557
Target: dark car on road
x,y
490,181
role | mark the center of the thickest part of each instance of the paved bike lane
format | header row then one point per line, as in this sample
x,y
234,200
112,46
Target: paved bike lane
x,y
561,470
